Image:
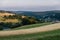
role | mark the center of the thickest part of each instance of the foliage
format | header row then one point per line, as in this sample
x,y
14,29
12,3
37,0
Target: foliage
x,y
17,20
32,26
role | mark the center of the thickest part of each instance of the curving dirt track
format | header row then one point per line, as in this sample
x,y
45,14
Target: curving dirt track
x,y
31,30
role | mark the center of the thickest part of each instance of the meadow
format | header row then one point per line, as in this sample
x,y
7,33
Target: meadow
x,y
50,35
46,35
33,25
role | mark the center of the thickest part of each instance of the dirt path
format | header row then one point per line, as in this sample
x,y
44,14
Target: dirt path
x,y
31,30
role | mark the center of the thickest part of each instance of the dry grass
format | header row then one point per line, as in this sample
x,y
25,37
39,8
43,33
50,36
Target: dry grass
x,y
7,14
7,20
31,30
10,20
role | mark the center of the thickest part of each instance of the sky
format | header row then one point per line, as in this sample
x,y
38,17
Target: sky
x,y
30,5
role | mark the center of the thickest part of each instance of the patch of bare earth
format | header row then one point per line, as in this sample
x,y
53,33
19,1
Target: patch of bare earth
x,y
31,30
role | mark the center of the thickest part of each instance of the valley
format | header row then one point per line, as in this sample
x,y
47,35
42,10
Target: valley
x,y
29,25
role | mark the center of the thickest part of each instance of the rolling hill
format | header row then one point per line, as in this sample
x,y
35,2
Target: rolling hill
x,y
46,15
48,32
5,13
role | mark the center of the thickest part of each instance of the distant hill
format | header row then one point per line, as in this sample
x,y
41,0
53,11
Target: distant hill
x,y
12,19
46,15
7,14
53,15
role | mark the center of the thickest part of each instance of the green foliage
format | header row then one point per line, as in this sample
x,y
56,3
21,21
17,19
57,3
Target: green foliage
x,y
31,26
9,25
20,21
1,27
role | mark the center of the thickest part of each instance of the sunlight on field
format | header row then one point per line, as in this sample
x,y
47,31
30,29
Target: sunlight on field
x,y
7,14
1,18
10,20
7,20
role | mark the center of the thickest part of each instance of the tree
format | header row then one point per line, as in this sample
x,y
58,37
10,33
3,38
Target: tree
x,y
25,21
33,20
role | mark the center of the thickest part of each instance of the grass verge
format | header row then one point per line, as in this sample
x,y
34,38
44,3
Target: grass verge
x,y
32,26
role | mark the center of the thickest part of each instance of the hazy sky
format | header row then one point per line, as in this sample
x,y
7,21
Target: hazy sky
x,y
32,5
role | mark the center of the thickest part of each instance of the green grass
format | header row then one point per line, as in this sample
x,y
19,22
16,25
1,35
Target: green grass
x,y
32,26
51,35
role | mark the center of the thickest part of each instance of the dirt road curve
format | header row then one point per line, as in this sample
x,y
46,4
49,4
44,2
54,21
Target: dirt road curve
x,y
31,30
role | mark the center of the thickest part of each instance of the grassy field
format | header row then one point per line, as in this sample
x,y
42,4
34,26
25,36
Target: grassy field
x,y
7,20
6,14
51,35
32,26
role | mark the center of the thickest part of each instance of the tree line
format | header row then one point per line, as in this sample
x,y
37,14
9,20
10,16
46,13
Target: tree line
x,y
23,20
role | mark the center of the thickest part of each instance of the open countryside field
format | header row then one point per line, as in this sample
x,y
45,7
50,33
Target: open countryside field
x,y
33,26
11,20
7,20
50,35
41,31
29,19
31,30
6,14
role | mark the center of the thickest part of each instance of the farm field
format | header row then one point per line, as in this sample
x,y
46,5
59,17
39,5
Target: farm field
x,y
2,19
29,19
40,31
47,32
50,35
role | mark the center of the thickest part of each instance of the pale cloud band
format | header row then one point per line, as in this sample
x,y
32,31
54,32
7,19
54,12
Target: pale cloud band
x,y
29,4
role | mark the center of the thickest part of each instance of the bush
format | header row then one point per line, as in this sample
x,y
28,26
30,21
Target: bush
x,y
1,27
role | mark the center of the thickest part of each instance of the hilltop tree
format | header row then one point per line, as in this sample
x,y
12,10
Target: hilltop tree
x,y
25,21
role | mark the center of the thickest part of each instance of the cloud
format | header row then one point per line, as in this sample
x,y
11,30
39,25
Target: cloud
x,y
29,4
